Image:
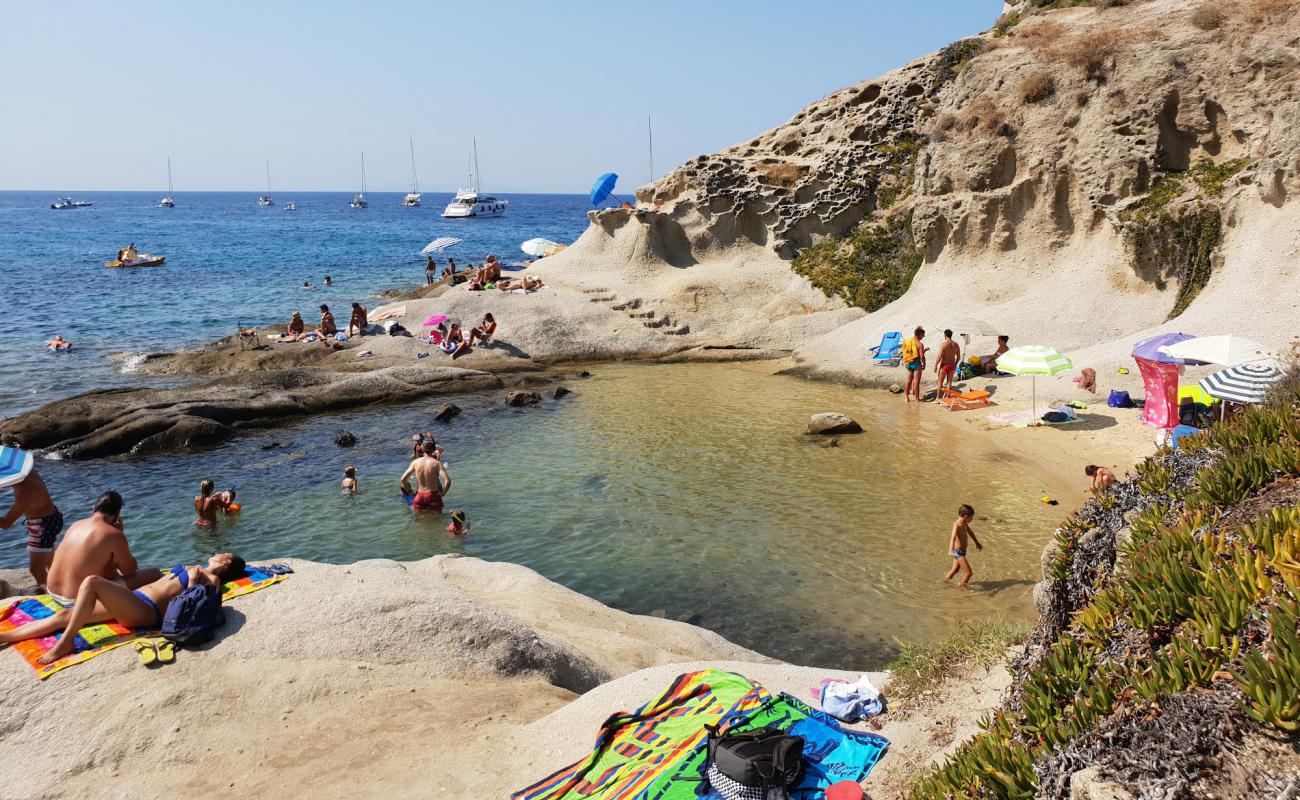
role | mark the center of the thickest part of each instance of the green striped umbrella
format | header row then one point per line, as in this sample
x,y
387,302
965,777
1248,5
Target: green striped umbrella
x,y
1033,360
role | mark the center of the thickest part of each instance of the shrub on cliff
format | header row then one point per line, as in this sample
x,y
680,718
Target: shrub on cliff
x,y
869,268
1169,642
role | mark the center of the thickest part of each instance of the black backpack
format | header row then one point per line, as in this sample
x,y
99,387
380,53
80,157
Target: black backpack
x,y
760,764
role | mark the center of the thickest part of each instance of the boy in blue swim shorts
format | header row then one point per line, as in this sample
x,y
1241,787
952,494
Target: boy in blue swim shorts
x,y
961,530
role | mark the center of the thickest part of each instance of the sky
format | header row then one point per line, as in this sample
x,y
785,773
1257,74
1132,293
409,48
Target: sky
x,y
556,91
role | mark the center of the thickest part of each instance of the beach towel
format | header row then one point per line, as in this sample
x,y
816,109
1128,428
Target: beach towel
x,y
658,751
97,639
391,313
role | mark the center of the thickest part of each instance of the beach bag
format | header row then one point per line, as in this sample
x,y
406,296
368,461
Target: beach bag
x,y
1119,399
911,349
761,764
193,616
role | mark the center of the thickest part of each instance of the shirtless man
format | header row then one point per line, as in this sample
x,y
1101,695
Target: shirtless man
x,y
946,366
207,504
44,523
96,546
431,479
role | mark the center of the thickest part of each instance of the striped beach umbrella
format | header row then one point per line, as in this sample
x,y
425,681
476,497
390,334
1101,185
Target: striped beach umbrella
x,y
1033,360
440,244
1244,383
15,465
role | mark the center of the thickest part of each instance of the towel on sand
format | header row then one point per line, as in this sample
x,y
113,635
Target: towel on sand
x,y
658,751
97,639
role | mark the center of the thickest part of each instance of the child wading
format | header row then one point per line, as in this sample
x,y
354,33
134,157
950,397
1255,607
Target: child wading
x,y
957,544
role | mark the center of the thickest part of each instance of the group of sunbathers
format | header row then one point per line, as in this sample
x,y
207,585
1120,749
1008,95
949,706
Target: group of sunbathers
x,y
455,342
92,573
913,355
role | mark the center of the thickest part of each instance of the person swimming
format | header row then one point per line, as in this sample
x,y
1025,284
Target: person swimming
x,y
349,484
459,526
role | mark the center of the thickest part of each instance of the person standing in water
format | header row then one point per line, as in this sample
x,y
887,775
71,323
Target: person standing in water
x,y
207,504
44,523
431,479
430,271
349,484
961,529
946,368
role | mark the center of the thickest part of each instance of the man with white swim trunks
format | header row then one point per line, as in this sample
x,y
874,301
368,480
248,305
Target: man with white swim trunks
x,y
96,546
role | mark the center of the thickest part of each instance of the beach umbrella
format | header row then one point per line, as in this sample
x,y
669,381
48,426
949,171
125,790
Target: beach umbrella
x,y
1033,360
1228,351
974,327
15,465
603,188
440,244
1153,349
435,320
1244,383
539,247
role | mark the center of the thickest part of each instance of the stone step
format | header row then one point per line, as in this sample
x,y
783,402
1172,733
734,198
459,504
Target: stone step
x,y
628,305
680,330
662,322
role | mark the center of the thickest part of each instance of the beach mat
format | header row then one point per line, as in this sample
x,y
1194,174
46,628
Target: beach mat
x,y
97,639
658,751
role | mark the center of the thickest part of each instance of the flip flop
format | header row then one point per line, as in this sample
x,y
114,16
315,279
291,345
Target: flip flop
x,y
166,651
147,651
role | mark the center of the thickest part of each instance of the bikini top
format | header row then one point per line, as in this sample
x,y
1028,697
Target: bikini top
x,y
181,574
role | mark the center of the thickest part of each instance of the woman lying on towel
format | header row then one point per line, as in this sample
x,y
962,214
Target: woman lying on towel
x,y
101,600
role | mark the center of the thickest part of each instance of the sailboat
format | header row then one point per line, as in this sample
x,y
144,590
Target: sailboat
x,y
413,197
359,201
469,203
267,199
168,202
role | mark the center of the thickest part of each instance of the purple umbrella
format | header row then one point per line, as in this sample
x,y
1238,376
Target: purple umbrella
x,y
1149,349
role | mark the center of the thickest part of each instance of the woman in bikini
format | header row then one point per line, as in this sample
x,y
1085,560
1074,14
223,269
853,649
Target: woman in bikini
x,y
101,600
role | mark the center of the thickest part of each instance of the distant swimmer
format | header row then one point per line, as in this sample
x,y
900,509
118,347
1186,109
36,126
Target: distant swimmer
x,y
431,480
329,281
349,484
459,526
306,285
59,343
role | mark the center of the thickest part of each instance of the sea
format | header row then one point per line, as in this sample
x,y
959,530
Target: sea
x,y
683,491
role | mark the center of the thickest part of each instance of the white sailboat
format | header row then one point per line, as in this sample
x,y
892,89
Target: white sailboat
x,y
359,201
267,199
413,197
168,202
470,203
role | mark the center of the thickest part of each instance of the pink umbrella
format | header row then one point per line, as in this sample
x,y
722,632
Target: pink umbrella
x,y
435,320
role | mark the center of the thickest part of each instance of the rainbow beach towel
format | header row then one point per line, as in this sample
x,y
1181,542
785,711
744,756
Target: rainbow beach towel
x,y
658,751
97,639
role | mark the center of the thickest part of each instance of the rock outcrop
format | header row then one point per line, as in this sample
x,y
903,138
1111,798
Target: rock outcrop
x,y
830,423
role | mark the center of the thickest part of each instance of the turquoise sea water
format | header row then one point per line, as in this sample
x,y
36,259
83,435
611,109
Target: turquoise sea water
x,y
228,261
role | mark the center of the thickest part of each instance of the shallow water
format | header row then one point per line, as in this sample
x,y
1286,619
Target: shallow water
x,y
687,491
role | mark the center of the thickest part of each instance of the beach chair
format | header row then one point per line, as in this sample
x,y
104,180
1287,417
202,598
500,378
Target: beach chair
x,y
248,337
889,352
959,401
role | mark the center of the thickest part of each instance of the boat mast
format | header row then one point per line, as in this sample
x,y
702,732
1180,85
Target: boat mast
x,y
169,176
268,177
476,184
415,178
363,174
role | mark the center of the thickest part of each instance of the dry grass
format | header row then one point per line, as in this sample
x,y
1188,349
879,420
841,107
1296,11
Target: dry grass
x,y
1207,16
1090,51
1258,11
983,115
945,122
1040,36
1037,88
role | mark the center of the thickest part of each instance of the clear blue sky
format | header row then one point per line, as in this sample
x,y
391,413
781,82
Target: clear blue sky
x,y
99,94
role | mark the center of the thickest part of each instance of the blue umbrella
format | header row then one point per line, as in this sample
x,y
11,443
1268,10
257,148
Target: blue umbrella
x,y
15,464
603,188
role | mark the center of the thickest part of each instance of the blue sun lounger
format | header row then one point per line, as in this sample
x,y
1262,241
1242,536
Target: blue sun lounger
x,y
889,351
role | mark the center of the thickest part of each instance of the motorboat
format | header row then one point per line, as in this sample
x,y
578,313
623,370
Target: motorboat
x,y
141,260
267,199
168,202
413,197
471,202
68,202
290,206
359,199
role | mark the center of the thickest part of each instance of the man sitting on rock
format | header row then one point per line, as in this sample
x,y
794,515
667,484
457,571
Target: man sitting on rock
x,y
96,546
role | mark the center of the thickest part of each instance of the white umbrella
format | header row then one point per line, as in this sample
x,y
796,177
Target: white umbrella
x,y
440,244
1244,383
1033,360
1228,351
538,247
974,327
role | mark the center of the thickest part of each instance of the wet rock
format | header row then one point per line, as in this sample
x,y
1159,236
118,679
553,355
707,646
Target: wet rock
x,y
561,391
185,433
582,374
828,442
273,445
519,399
345,439
446,412
896,388
828,423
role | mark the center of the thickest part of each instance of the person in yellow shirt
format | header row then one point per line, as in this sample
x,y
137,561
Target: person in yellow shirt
x,y
913,354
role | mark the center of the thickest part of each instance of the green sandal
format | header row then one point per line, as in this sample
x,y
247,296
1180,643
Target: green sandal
x,y
147,651
166,651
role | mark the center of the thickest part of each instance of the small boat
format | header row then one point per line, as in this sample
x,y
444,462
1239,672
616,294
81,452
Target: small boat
x,y
142,260
68,202
267,199
413,197
168,202
469,203
359,201
289,206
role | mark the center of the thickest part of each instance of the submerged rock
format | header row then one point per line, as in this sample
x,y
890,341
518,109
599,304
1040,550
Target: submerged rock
x,y
561,391
446,412
518,399
345,439
828,423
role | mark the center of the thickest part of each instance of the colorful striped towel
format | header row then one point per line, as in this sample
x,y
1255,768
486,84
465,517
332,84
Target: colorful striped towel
x,y
658,751
97,639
